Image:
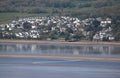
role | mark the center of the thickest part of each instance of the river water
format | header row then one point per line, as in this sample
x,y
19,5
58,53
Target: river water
x,y
60,49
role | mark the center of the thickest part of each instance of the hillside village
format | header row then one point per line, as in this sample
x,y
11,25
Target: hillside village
x,y
58,28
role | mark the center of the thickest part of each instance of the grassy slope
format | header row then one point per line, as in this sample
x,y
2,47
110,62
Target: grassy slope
x,y
8,17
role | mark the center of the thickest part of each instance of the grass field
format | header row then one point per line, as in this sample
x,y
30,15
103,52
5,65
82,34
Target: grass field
x,y
9,17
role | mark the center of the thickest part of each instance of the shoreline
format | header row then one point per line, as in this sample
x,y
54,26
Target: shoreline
x,y
58,42
74,58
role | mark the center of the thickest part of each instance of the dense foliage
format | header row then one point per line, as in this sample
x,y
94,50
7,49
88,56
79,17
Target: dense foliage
x,y
79,8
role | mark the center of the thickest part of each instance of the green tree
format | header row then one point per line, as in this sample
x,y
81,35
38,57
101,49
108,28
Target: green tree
x,y
116,29
1,35
117,36
27,25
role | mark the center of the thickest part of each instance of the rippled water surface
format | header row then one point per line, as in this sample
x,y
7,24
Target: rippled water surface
x,y
59,49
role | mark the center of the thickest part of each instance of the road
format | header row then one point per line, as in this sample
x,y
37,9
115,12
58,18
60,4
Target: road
x,y
13,67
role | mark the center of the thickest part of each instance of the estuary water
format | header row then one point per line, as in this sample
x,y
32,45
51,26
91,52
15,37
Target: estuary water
x,y
60,49
15,67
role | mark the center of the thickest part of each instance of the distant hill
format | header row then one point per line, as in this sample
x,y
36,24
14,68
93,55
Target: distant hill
x,y
78,8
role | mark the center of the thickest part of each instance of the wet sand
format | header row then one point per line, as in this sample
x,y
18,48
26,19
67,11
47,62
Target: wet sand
x,y
63,57
57,42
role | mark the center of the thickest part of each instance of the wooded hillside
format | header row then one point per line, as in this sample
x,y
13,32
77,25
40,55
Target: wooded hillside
x,y
79,8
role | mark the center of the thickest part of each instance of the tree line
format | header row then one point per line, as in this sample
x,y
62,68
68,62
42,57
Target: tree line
x,y
56,6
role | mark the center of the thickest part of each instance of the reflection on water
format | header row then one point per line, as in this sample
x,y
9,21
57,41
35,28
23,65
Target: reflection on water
x,y
59,49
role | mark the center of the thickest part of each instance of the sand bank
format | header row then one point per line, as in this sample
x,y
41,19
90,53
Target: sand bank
x,y
57,42
117,59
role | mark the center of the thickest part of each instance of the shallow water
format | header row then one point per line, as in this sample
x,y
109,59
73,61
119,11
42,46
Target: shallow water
x,y
59,49
52,68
